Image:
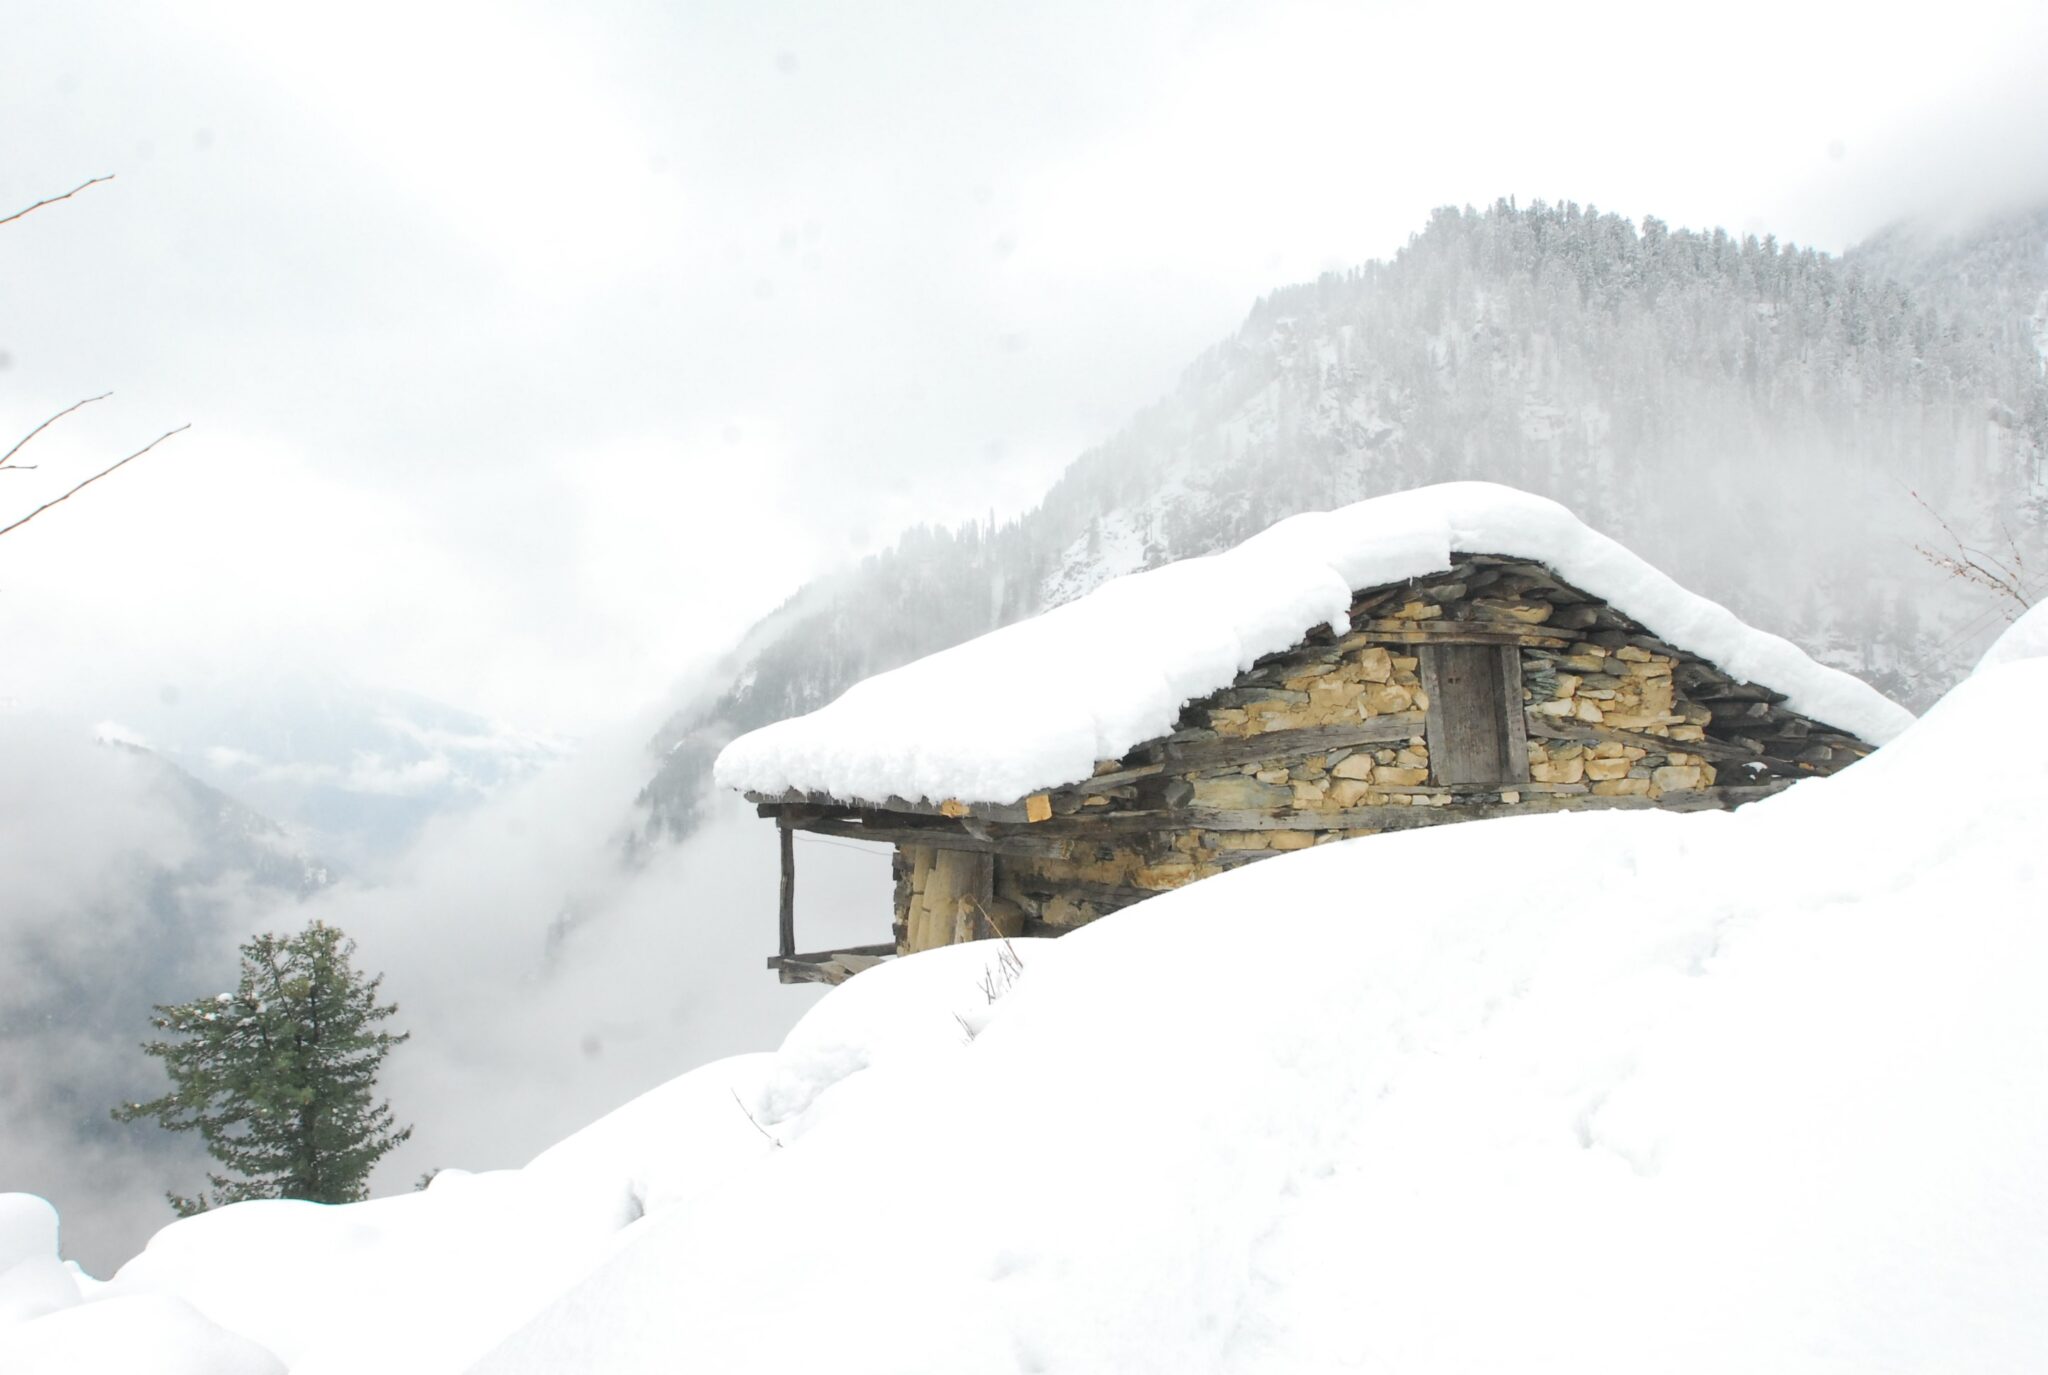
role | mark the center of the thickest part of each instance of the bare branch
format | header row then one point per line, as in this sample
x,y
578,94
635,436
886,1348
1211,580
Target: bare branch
x,y
23,441
52,200
53,501
2004,575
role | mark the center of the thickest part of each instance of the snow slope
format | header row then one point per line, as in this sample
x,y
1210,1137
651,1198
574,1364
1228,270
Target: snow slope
x,y
1035,704
1750,1091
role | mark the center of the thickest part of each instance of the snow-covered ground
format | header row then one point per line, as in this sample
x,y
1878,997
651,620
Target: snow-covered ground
x,y
1599,1092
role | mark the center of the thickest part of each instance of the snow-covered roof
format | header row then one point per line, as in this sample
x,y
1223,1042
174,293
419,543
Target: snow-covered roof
x,y
1034,705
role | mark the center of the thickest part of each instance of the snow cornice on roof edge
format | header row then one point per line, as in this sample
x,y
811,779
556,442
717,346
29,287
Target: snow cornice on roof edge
x,y
1034,705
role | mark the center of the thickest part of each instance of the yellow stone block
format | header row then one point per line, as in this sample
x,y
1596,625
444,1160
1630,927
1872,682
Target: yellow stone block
x,y
1623,787
1674,778
1375,665
1349,792
1384,699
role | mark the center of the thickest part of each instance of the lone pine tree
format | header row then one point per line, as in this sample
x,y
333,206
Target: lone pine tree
x,y
278,1077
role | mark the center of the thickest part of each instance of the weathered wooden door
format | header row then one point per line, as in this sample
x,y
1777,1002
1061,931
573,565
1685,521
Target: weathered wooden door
x,y
1475,728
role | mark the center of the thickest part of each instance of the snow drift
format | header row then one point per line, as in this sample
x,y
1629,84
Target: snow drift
x,y
1639,1091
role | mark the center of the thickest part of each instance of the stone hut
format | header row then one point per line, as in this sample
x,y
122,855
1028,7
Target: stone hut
x,y
1522,663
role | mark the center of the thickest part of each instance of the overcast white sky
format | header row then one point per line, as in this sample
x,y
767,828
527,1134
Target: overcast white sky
x,y
533,350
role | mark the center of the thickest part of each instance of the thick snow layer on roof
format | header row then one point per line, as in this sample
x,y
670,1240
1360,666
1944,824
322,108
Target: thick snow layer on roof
x,y
1034,705
1773,1102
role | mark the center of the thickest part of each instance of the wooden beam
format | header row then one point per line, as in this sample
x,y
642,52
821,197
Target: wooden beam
x,y
820,956
938,837
828,966
1433,715
1036,890
950,810
788,909
1382,818
1464,632
1549,729
1230,751
1511,704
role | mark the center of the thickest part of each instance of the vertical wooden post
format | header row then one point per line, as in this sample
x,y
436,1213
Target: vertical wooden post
x,y
788,837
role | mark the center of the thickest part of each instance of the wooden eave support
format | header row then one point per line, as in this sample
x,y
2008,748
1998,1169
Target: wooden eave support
x,y
787,944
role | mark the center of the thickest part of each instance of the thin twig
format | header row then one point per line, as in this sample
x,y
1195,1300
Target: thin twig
x,y
1976,565
772,1139
52,200
53,501
23,441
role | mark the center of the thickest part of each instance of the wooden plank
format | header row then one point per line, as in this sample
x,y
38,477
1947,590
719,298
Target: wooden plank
x,y
1473,791
1510,705
1464,632
1230,751
1383,818
820,956
1433,690
828,966
1545,728
937,837
1468,700
787,920
1110,897
948,809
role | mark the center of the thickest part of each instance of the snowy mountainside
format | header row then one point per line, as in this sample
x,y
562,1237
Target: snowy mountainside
x,y
1755,418
1772,1102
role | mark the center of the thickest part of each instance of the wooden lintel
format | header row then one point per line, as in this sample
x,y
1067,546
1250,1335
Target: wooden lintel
x,y
1466,632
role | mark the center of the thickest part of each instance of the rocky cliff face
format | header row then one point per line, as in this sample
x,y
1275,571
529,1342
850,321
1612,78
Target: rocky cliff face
x,y
1775,427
